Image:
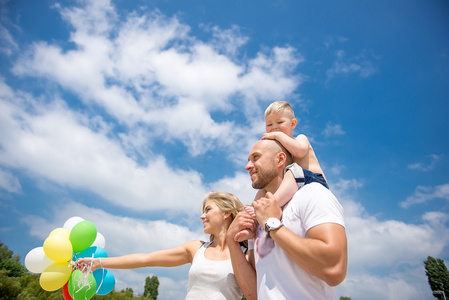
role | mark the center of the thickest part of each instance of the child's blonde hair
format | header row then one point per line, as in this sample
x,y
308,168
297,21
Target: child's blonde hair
x,y
277,106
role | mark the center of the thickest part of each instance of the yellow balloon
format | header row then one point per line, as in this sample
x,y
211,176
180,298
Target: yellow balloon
x,y
58,248
61,231
55,276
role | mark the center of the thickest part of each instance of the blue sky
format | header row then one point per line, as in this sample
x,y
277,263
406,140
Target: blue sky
x,y
126,112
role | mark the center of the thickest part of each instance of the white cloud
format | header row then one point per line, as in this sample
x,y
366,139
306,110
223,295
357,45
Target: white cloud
x,y
57,144
94,18
240,185
333,130
155,82
386,256
429,165
426,193
227,41
7,43
9,182
357,64
390,244
152,71
275,70
411,284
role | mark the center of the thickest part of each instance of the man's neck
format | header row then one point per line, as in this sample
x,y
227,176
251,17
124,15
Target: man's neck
x,y
273,186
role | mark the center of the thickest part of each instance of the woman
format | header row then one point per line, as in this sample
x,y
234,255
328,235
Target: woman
x,y
211,275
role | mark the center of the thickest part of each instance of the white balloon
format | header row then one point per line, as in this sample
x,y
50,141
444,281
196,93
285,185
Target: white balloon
x,y
99,241
36,261
70,223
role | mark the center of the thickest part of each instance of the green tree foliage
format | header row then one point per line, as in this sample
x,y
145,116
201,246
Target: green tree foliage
x,y
9,286
17,283
151,287
10,263
345,298
437,276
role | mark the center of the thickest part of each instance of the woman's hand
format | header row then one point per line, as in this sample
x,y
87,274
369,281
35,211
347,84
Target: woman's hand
x,y
82,264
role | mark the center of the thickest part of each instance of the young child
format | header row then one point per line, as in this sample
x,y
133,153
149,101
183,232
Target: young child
x,y
279,123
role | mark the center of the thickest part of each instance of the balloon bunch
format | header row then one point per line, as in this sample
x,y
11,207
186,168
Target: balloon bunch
x,y
56,259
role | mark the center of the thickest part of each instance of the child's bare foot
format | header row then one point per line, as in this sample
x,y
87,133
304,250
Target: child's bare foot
x,y
244,235
250,211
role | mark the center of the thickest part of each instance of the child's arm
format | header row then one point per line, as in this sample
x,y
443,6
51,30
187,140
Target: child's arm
x,y
297,147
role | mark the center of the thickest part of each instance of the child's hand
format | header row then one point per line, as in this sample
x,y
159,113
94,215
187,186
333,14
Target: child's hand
x,y
269,135
250,211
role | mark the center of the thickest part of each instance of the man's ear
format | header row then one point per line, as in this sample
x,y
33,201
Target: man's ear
x,y
282,158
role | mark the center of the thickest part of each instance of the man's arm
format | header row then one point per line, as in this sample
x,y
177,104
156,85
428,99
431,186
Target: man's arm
x,y
322,254
243,265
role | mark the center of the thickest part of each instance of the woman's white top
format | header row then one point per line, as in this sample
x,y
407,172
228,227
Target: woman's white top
x,y
211,279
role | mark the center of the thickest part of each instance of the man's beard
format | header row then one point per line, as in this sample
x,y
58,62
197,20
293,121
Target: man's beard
x,y
264,177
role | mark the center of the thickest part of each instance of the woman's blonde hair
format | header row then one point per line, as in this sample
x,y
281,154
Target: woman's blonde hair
x,y
277,106
226,202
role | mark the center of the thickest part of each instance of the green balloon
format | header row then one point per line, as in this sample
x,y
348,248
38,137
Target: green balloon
x,y
82,286
82,236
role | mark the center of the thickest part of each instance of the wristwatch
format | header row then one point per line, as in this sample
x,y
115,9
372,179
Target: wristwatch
x,y
272,224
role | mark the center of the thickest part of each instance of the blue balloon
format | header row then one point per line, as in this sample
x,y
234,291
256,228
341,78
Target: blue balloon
x,y
105,281
95,250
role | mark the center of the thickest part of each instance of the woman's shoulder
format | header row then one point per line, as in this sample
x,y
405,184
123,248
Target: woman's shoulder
x,y
193,246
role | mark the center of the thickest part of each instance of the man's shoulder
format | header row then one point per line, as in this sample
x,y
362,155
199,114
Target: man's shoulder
x,y
312,191
315,204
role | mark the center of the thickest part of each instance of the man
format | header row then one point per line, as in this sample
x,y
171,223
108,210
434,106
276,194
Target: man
x,y
305,253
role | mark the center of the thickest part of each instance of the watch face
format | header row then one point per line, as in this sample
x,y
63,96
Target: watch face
x,y
272,223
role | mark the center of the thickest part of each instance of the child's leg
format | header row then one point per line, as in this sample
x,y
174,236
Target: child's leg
x,y
246,234
287,189
250,211
294,180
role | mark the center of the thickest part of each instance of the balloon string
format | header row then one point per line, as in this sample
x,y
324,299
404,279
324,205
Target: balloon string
x,y
102,277
84,279
72,264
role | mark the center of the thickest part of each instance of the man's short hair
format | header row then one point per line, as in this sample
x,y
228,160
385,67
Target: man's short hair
x,y
281,148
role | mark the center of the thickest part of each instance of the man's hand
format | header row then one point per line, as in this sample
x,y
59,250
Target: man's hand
x,y
267,207
243,221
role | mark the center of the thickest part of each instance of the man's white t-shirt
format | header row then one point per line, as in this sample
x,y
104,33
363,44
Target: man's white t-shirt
x,y
278,276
